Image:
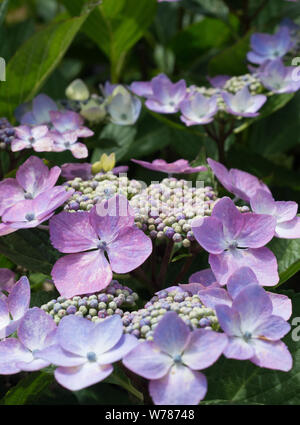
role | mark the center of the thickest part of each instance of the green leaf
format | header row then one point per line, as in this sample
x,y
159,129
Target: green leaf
x,y
34,62
114,138
31,249
288,257
199,37
241,382
115,26
28,389
118,377
231,61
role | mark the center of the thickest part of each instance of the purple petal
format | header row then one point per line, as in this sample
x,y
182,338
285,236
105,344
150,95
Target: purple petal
x,y
7,280
273,329
209,234
240,279
171,334
289,229
12,351
272,355
19,298
32,366
221,172
148,361
238,348
82,273
245,185
10,193
263,203
192,288
79,377
70,171
74,334
4,314
205,277
282,305
126,344
34,328
142,88
258,230
203,349
181,386
42,105
211,297
231,218
79,150
6,230
229,320
105,335
129,250
56,355
72,232
262,261
286,211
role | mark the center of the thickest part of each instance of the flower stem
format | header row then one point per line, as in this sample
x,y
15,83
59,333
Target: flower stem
x,y
165,262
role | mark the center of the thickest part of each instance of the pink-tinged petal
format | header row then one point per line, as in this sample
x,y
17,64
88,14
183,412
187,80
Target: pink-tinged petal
x,y
79,150
205,277
142,88
192,288
262,261
41,106
204,348
129,250
34,328
282,305
12,351
105,335
211,297
19,298
19,145
72,232
245,185
6,230
229,320
125,345
40,131
65,121
7,280
288,229
258,230
10,193
171,334
273,329
70,171
82,273
4,314
238,348
240,279
43,145
272,355
254,307
209,234
221,172
148,361
32,366
286,211
231,218
181,386
110,216
79,377
56,355
35,177
74,334
263,203
23,132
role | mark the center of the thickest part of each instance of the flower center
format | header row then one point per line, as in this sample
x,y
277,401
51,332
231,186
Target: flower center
x,y
28,195
102,245
123,117
177,358
91,356
30,217
247,336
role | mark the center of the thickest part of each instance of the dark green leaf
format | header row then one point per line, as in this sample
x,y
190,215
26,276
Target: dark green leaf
x,y
288,257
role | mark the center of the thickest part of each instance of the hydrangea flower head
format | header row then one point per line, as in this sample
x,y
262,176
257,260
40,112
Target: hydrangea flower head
x,y
86,236
13,308
37,138
243,103
254,332
37,330
172,360
32,179
181,166
285,213
85,351
69,123
40,113
269,47
236,239
197,109
241,184
68,141
166,97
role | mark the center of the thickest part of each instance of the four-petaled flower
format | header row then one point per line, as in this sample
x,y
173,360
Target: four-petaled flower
x,y
197,109
172,360
236,239
243,103
85,350
108,229
181,166
254,332
38,138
